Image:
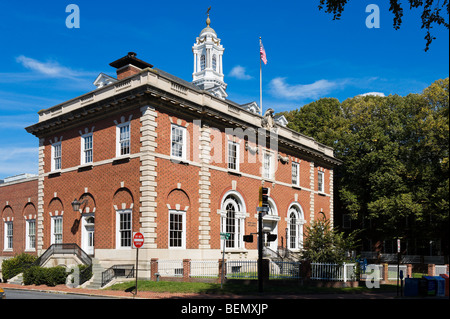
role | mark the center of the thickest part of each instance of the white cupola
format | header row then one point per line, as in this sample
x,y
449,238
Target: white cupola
x,y
208,70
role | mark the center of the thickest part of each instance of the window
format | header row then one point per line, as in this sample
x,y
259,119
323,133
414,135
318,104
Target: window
x,y
57,230
177,231
233,222
267,168
233,156
320,182
295,227
178,142
31,234
292,231
56,156
123,229
214,62
295,174
87,149
8,236
123,139
202,62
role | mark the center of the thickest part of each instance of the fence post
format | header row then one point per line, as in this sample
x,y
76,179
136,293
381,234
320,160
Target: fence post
x,y
385,272
408,270
431,269
345,273
186,269
153,268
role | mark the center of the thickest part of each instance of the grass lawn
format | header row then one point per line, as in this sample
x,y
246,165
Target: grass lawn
x,y
235,288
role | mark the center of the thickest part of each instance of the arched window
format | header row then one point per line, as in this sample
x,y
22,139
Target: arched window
x,y
214,62
295,227
202,62
233,216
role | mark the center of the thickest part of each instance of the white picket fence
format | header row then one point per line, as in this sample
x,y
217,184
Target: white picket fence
x,y
332,272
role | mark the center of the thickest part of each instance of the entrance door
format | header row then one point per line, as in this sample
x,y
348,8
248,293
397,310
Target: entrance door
x,y
88,233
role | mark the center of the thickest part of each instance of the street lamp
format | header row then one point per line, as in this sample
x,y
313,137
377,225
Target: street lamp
x,y
76,204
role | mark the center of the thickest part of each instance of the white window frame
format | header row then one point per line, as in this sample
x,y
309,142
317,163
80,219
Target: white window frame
x,y
295,180
119,139
9,236
56,156
30,231
181,214
183,142
321,182
298,226
236,158
119,230
84,150
56,230
268,169
237,243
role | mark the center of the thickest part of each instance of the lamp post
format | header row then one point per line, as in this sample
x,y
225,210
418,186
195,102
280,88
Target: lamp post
x,y
76,204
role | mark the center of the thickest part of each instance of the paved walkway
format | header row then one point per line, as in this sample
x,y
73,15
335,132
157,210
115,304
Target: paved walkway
x,y
165,295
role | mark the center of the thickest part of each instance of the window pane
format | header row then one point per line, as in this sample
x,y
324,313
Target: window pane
x,y
125,140
176,230
177,141
232,156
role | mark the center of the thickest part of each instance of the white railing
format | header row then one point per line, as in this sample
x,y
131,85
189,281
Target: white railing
x,y
440,270
372,272
332,272
204,269
170,268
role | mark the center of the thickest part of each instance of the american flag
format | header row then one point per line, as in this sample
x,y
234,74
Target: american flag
x,y
262,52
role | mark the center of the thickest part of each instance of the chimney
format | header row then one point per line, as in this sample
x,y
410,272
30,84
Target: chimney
x,y
129,65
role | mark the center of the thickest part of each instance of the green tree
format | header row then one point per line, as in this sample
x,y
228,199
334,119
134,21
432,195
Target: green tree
x,y
395,153
326,245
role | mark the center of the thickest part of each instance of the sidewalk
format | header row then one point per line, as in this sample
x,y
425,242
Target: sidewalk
x,y
63,289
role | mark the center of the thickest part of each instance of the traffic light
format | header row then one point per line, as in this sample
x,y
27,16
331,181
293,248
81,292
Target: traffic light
x,y
263,197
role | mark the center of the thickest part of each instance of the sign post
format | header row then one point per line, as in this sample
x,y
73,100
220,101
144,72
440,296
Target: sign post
x,y
223,236
138,242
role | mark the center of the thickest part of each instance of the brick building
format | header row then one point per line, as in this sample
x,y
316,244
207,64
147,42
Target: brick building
x,y
176,160
18,204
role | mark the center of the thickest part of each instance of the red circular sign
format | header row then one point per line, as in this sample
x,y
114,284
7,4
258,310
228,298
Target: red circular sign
x,y
138,240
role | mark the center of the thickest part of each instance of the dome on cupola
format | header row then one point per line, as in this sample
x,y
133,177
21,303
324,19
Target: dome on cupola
x,y
208,30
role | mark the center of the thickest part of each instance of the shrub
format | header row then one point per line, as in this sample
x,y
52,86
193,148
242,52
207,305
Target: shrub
x,y
16,265
37,275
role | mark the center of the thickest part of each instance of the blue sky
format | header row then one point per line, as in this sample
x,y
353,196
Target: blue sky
x,y
44,63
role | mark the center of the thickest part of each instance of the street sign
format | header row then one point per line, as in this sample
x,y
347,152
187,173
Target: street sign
x,y
138,240
225,236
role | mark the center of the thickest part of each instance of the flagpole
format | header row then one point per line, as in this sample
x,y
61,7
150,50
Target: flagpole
x,y
260,79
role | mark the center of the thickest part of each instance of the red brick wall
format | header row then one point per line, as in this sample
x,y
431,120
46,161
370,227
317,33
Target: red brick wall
x,y
16,201
108,184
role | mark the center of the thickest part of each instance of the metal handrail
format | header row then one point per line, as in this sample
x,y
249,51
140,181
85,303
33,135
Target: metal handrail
x,y
126,271
64,249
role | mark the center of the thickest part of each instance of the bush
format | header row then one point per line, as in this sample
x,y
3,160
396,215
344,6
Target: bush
x,y
16,265
37,275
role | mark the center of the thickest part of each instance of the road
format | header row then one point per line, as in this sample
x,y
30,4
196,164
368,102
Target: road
x,y
26,294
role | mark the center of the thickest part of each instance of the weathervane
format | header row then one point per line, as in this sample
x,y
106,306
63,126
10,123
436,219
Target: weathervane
x,y
208,21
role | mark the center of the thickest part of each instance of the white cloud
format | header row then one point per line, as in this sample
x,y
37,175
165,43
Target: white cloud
x,y
18,160
51,69
280,88
373,94
238,72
